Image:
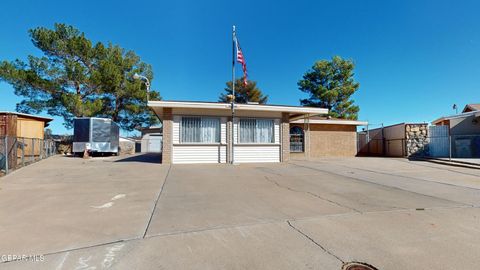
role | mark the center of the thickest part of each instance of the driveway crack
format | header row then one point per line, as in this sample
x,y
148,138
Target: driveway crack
x,y
156,202
314,242
384,185
311,194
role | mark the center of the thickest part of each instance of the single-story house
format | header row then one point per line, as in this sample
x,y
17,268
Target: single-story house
x,y
201,132
467,123
463,131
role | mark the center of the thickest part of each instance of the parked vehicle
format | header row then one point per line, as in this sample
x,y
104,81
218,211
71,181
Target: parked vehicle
x,y
96,135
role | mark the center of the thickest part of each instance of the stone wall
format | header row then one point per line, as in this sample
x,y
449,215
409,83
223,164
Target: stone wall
x,y
126,147
416,139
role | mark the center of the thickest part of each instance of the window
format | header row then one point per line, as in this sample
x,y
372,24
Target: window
x,y
296,139
200,130
256,131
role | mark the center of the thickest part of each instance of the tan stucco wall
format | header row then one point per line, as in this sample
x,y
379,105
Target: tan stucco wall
x,y
328,141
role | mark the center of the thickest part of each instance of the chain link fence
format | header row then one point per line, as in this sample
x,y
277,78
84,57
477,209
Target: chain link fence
x,y
16,152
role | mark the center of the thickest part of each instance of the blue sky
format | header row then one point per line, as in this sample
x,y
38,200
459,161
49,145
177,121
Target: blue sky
x,y
414,59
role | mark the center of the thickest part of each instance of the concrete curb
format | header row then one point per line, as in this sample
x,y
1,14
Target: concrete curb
x,y
455,163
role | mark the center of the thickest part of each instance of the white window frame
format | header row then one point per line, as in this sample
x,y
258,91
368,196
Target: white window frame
x,y
272,141
219,131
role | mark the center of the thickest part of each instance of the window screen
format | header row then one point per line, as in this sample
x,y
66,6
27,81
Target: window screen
x,y
200,130
256,130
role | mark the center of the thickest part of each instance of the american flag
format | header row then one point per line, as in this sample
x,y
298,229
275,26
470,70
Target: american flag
x,y
241,60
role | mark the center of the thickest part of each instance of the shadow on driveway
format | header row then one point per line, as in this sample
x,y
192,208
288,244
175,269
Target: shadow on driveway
x,y
146,158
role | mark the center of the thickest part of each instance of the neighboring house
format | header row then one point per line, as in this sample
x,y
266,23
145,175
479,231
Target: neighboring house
x,y
151,140
23,125
471,108
463,130
200,132
467,123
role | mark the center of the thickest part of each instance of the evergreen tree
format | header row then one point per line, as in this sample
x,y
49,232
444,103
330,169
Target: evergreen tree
x,y
330,84
243,93
76,78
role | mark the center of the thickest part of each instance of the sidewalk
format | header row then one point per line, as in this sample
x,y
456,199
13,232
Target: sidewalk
x,y
462,162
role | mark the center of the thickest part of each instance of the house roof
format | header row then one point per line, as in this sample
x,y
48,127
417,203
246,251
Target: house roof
x,y
297,110
329,121
460,115
471,107
41,118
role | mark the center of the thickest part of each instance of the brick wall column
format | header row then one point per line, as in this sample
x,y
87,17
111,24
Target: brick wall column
x,y
167,136
285,137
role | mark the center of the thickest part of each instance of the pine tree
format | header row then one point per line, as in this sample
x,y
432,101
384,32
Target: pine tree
x,y
77,78
243,93
330,84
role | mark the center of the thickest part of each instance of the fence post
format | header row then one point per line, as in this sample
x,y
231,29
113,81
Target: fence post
x,y
23,152
450,147
33,150
5,140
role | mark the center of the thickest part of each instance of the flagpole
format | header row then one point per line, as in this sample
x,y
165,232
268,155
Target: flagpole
x,y
232,159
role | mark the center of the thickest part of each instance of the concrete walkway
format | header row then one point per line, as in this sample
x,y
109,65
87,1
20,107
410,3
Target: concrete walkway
x,y
134,213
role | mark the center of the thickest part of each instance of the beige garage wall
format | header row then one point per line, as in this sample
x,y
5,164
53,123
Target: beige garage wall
x,y
327,140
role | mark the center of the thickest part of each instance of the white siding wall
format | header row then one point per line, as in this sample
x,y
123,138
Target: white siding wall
x,y
176,129
277,131
199,154
235,130
223,130
253,153
190,153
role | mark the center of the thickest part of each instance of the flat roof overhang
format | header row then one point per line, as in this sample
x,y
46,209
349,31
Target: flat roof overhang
x,y
294,111
330,122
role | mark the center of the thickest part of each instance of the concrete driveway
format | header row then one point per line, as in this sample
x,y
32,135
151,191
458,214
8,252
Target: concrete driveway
x,y
134,213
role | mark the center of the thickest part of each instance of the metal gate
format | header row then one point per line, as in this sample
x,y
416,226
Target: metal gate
x,y
439,141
